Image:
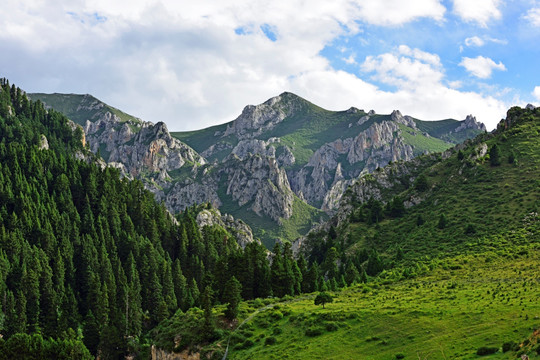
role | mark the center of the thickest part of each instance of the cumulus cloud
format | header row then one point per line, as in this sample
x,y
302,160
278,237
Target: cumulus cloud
x,y
481,67
396,12
474,41
405,68
478,11
422,90
533,16
196,64
536,92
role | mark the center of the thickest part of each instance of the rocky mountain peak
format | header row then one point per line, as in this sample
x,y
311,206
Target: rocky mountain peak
x,y
470,123
257,119
405,120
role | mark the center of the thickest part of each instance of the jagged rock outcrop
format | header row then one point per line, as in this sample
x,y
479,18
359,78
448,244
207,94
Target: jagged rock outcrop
x,y
182,195
372,148
43,143
239,229
148,148
247,148
400,119
258,180
470,123
256,119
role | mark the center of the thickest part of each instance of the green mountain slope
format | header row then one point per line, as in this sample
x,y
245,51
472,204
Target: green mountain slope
x,y
475,197
309,126
80,108
308,156
451,275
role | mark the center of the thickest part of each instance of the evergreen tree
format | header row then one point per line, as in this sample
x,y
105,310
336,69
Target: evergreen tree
x,y
330,263
442,222
351,273
180,285
312,280
232,297
421,183
207,302
277,272
494,155
375,265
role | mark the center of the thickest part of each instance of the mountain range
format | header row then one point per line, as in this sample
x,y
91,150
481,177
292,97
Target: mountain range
x,y
280,166
435,257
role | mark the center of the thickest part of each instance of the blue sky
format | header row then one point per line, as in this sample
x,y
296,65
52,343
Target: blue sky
x,y
197,64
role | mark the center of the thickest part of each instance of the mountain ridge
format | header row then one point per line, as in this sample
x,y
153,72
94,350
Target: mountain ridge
x,y
285,150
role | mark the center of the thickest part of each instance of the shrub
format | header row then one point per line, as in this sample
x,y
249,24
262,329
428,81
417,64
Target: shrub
x,y
331,326
237,338
486,350
509,346
257,303
277,331
313,331
245,345
470,229
400,356
270,340
276,315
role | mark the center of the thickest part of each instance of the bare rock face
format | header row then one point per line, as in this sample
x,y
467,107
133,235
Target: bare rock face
x,y
246,148
239,229
256,119
259,180
372,148
182,195
147,148
43,143
400,119
470,123
379,140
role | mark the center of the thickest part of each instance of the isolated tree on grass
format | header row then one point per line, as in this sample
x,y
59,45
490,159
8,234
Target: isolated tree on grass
x,y
323,298
232,296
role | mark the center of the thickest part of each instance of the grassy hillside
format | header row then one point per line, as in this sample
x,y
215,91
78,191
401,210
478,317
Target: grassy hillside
x,y
80,108
463,288
476,199
464,304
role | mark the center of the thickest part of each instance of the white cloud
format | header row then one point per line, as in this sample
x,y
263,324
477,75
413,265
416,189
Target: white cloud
x,y
350,60
405,68
474,41
533,16
481,67
536,92
421,91
479,11
196,64
192,64
397,12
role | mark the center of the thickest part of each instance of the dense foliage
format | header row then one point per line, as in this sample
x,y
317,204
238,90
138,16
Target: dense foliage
x,y
86,254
